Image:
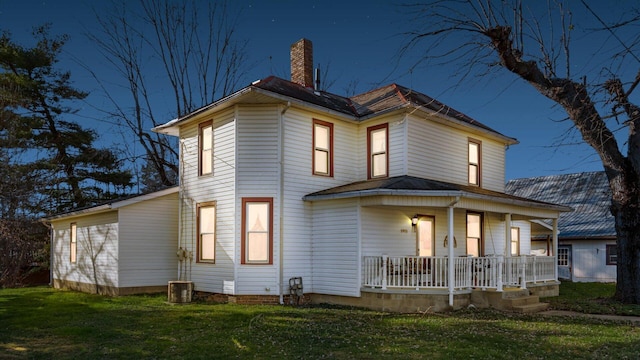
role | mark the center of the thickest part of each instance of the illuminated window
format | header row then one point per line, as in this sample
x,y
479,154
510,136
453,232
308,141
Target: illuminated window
x,y
474,234
74,243
474,162
377,143
322,148
207,232
205,139
257,231
515,241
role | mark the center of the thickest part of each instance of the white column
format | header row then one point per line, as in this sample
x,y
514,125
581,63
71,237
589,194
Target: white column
x,y
555,246
451,256
507,235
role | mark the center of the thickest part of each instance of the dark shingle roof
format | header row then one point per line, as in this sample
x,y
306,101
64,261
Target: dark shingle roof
x,y
415,185
386,98
587,193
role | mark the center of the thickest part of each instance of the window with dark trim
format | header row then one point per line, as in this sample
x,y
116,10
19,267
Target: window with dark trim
x,y
475,155
612,255
515,241
206,218
322,148
257,231
474,234
205,148
377,151
73,244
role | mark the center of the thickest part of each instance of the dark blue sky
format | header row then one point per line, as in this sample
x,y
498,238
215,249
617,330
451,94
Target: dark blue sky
x,y
360,42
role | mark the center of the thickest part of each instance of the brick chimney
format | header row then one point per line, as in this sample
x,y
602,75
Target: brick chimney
x,y
302,63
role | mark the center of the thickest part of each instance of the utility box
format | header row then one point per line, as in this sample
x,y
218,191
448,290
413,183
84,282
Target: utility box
x,y
295,290
179,292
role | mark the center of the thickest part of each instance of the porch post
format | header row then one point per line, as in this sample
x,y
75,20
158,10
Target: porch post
x,y
507,235
555,246
451,255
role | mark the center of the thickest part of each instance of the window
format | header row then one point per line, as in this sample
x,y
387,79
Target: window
x,y
257,231
515,241
206,232
612,254
322,148
474,234
74,243
474,162
205,141
377,143
563,256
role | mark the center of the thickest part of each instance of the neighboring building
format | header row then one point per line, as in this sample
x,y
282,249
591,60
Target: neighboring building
x,y
364,198
123,247
587,236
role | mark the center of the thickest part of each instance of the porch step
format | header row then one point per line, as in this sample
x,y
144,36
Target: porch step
x,y
531,308
524,304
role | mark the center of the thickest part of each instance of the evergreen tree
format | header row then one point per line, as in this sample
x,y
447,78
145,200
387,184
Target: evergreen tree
x,y
36,101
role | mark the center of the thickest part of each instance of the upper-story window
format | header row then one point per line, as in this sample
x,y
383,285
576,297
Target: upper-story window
x,y
377,151
322,148
474,162
205,144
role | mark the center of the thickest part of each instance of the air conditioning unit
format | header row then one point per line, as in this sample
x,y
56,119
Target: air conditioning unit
x,y
179,292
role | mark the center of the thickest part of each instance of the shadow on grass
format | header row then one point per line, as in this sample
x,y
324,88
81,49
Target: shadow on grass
x,y
46,323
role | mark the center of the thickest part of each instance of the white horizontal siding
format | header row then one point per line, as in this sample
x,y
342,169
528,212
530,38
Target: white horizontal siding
x,y
258,175
299,181
439,152
589,263
525,236
387,230
148,242
218,187
97,250
336,250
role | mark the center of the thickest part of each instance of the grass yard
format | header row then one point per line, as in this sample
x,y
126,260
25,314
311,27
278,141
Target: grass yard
x,y
42,323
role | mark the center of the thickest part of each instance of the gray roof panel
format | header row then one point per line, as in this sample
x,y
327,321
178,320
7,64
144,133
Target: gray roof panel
x,y
587,193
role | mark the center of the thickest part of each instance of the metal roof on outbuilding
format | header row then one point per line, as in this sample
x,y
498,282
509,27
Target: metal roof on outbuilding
x,y
587,193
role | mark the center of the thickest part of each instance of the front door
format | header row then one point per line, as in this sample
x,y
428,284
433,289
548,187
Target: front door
x,y
564,262
425,239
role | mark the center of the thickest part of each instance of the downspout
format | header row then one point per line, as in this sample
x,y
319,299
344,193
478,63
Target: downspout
x,y
450,248
50,226
281,204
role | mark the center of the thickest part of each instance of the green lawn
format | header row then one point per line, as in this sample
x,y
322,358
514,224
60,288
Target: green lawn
x,y
46,323
593,298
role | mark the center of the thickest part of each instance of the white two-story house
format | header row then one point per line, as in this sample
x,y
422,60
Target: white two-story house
x,y
388,199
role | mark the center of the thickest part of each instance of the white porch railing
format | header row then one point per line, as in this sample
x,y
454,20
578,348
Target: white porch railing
x,y
422,272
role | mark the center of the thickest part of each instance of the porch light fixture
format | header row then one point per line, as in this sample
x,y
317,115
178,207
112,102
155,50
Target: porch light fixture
x,y
414,220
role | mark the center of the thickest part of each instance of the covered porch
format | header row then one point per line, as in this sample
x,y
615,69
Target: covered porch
x,y
417,237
